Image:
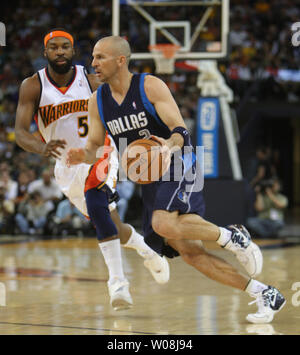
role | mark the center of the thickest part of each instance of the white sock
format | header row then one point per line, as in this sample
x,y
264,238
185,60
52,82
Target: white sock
x,y
111,251
225,236
137,242
255,287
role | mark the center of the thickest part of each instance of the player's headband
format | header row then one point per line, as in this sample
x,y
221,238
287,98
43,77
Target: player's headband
x,y
58,34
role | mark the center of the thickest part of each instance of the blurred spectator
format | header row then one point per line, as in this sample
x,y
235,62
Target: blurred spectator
x,y
69,220
237,35
32,214
125,190
3,143
48,189
7,112
23,182
188,120
4,167
262,167
7,209
269,205
259,168
10,186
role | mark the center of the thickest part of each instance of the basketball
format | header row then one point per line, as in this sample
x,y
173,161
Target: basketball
x,y
143,161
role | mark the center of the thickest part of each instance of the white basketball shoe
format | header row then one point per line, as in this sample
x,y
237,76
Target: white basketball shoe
x,y
159,268
269,302
247,252
120,298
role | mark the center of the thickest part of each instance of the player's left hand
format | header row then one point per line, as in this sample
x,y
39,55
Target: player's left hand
x,y
75,156
165,150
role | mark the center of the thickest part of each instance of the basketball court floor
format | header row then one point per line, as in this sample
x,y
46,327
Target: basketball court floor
x,y
59,287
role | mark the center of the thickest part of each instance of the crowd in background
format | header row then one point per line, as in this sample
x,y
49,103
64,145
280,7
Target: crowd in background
x,y
260,47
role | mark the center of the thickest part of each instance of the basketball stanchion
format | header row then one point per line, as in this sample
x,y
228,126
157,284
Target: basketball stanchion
x,y
164,57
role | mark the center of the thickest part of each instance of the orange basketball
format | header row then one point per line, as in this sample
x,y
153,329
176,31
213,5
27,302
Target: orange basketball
x,y
143,161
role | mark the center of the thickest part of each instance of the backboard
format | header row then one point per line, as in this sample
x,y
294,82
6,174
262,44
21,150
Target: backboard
x,y
200,28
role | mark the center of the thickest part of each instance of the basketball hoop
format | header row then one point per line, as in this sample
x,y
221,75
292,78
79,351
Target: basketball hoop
x,y
164,57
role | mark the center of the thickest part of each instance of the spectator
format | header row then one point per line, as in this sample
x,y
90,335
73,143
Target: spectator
x,y
237,35
47,188
7,209
264,170
269,205
3,143
7,112
125,190
11,186
32,214
4,167
69,220
23,182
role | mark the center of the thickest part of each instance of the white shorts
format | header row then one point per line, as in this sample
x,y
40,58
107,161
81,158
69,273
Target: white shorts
x,y
72,181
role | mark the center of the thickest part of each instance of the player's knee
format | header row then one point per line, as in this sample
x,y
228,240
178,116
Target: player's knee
x,y
116,219
157,224
98,211
165,227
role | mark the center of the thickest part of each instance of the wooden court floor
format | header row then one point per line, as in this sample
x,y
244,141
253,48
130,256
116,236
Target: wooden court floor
x,y
59,287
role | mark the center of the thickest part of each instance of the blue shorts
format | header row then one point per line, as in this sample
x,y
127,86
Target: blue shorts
x,y
169,196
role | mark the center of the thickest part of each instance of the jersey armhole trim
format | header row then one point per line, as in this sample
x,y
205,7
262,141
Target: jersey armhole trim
x,y
85,73
100,106
146,102
40,96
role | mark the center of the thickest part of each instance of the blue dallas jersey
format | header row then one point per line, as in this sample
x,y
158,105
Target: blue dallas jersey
x,y
135,118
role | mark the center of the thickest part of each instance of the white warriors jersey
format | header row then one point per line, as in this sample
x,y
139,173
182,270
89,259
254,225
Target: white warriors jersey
x,y
63,114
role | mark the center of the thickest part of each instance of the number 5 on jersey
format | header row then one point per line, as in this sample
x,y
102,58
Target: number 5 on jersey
x,y
83,127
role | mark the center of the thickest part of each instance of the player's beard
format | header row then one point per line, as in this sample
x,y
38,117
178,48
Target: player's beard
x,y
60,69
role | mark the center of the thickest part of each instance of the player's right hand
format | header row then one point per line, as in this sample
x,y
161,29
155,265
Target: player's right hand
x,y
51,148
75,156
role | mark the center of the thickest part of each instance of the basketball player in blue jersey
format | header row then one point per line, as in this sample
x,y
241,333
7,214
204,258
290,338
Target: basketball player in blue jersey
x,y
57,96
133,106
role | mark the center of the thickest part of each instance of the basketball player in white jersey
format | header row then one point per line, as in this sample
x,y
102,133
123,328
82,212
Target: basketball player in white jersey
x,y
57,97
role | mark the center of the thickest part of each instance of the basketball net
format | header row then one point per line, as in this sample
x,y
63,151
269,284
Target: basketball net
x,y
164,57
